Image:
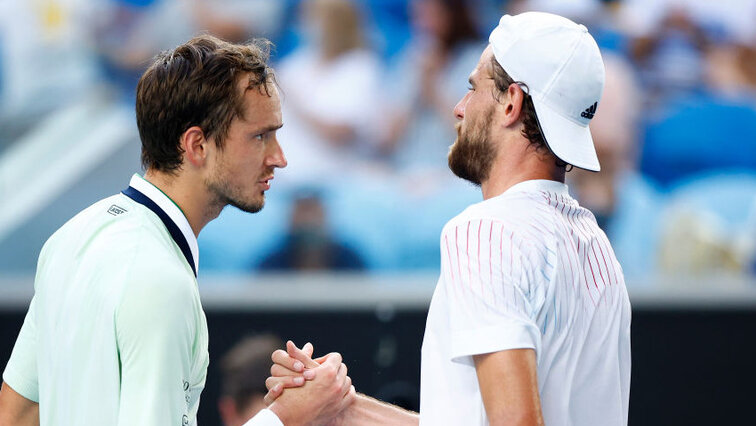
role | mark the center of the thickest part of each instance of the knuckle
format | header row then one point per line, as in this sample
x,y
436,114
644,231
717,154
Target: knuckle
x,y
277,355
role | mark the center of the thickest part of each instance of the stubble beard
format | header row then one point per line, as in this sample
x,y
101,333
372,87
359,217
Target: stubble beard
x,y
472,154
225,194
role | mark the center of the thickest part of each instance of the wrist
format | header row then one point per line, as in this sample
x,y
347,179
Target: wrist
x,y
282,413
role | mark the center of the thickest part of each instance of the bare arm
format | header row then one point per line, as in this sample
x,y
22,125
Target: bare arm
x,y
295,362
15,410
509,386
369,411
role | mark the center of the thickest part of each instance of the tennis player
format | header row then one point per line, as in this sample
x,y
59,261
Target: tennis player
x,y
115,333
530,320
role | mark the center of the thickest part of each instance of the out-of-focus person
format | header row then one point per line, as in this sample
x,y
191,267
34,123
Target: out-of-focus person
x,y
426,82
46,62
132,30
309,244
330,86
244,369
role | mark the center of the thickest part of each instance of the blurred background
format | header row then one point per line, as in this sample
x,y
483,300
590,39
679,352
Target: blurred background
x,y
345,253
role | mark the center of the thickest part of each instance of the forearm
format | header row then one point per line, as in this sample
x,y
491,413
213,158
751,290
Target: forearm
x,y
370,411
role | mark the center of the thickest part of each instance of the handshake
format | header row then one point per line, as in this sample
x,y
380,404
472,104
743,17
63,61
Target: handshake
x,y
307,391
303,391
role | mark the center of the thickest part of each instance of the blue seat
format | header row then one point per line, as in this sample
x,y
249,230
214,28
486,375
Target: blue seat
x,y
699,133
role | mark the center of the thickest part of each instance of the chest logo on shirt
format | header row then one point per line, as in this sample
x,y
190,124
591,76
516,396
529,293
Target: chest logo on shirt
x,y
115,210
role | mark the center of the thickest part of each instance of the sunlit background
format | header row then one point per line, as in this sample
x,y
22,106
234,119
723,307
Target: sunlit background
x,y
348,240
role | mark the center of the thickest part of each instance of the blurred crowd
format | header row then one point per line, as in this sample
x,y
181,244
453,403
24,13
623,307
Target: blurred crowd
x,y
368,91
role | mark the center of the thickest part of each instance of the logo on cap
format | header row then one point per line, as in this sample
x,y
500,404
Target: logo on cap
x,y
588,113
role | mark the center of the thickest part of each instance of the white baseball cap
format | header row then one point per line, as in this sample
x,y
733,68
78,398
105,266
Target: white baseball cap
x,y
561,65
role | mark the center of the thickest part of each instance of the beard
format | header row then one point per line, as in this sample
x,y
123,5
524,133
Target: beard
x,y
225,193
472,154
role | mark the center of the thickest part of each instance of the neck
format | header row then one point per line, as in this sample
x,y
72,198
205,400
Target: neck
x,y
196,205
506,174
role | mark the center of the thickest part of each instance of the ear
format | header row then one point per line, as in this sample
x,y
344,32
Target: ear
x,y
195,146
512,105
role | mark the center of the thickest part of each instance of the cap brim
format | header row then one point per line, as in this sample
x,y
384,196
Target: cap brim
x,y
570,141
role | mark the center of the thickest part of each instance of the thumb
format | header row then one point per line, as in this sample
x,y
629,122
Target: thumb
x,y
308,349
300,355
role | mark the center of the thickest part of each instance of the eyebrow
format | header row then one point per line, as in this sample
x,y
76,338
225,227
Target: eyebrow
x,y
268,128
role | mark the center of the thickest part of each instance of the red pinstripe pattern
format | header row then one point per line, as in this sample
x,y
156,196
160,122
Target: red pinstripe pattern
x,y
570,219
580,220
448,255
479,271
467,253
490,264
459,267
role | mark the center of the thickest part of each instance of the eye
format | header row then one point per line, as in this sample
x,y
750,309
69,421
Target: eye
x,y
259,137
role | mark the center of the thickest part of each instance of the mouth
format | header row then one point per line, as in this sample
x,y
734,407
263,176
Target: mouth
x,y
265,182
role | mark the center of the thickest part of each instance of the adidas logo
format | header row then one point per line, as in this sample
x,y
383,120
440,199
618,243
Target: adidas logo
x,y
590,111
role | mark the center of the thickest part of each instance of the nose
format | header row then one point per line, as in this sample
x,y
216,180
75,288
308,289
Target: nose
x,y
459,109
276,158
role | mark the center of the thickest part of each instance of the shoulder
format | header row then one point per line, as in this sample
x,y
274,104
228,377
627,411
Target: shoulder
x,y
506,210
156,288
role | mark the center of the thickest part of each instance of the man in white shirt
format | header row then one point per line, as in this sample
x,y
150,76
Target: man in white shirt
x,y
530,320
115,333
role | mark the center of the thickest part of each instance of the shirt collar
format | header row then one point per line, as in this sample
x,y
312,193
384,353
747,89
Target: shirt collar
x,y
171,209
538,185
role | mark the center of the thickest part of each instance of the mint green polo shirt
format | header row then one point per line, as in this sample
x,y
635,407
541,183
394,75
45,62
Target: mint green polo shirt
x,y
115,333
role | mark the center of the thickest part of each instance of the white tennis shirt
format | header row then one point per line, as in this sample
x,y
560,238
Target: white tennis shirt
x,y
529,268
115,333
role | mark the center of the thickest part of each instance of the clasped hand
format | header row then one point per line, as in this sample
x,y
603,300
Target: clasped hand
x,y
303,391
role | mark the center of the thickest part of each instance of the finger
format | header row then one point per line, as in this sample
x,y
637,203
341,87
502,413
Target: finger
x,y
273,394
283,359
346,386
308,349
285,382
281,371
341,374
321,359
332,361
299,355
348,399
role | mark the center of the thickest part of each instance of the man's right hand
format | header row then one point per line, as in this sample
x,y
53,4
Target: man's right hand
x,y
322,398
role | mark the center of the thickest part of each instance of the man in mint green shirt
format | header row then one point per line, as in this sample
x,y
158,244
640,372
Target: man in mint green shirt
x,y
115,333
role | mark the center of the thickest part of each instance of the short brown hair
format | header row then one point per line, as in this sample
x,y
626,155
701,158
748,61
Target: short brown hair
x,y
246,366
195,84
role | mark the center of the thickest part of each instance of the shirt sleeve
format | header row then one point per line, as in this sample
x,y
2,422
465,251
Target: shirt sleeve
x,y
264,418
21,370
155,330
489,282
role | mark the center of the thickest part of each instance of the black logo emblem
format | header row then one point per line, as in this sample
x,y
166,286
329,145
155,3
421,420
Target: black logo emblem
x,y
115,210
588,113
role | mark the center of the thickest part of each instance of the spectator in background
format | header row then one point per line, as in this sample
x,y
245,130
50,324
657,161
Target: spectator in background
x,y
309,245
38,37
330,87
244,369
670,57
428,79
134,30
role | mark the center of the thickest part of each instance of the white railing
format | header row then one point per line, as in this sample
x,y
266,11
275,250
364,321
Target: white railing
x,y
344,292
